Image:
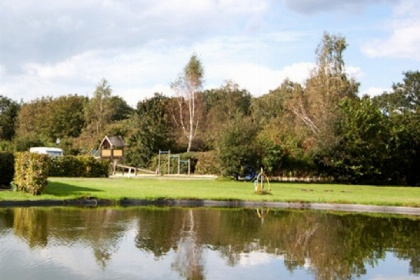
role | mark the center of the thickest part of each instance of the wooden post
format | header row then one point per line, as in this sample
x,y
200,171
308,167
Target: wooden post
x,y
169,161
179,164
189,166
159,162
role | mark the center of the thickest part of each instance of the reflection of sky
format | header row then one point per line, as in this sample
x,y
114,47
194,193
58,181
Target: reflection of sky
x,y
389,268
56,261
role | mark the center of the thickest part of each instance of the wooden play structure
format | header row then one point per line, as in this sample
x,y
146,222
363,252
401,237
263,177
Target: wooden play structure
x,y
170,156
112,148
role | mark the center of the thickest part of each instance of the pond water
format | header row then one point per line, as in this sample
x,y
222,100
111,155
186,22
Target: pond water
x,y
205,243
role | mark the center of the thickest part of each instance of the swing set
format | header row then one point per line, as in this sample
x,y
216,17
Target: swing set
x,y
173,156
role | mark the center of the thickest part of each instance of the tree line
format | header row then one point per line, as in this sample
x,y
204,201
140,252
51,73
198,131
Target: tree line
x,y
320,128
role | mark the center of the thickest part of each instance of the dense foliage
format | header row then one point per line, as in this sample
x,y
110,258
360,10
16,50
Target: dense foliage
x,y
7,169
319,129
31,172
78,166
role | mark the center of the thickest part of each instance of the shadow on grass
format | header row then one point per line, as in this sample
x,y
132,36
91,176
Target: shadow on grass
x,y
60,189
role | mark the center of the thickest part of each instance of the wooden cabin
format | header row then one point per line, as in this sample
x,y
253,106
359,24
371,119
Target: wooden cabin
x,y
112,147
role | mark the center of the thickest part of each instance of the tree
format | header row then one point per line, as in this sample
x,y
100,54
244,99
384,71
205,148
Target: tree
x,y
151,131
222,105
66,117
360,153
404,96
32,124
316,106
98,112
42,121
272,105
186,88
401,107
120,109
8,114
236,145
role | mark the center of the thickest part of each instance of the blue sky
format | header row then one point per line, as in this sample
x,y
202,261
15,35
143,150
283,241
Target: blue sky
x,y
53,48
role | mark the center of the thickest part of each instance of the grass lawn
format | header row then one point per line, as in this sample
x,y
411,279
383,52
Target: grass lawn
x,y
161,187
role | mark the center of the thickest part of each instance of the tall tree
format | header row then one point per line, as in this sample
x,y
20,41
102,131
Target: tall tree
x,y
401,106
8,114
98,111
316,107
186,87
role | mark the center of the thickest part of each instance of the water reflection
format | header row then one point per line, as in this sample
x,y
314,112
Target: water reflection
x,y
204,243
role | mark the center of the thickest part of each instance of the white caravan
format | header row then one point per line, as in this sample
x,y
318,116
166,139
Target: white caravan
x,y
53,152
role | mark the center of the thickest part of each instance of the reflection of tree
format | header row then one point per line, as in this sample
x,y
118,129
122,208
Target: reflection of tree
x,y
99,229
6,219
333,246
103,230
158,231
31,225
189,257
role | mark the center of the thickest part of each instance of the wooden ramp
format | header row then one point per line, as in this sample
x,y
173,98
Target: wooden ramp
x,y
132,170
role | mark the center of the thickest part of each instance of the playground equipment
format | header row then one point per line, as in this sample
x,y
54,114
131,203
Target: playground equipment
x,y
262,182
262,213
132,170
171,156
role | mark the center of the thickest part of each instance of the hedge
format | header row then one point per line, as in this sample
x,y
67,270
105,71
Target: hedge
x,y
31,172
7,169
78,166
207,163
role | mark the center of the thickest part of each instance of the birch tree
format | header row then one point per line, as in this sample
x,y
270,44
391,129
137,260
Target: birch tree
x,y
186,88
317,105
98,111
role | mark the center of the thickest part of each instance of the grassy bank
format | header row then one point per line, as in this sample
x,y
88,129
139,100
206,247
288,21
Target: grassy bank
x,y
161,187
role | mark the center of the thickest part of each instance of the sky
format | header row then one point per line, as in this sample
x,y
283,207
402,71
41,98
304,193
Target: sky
x,y
55,48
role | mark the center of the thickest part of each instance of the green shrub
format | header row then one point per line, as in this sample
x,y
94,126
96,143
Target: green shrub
x,y
207,163
31,172
78,166
7,169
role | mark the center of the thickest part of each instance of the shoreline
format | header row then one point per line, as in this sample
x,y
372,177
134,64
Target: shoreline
x,y
126,202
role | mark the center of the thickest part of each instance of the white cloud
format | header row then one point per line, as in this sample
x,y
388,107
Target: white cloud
x,y
312,7
355,72
260,79
404,38
374,91
257,258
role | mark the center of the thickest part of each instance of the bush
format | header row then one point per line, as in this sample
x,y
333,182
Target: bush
x,y
207,163
7,169
31,172
78,166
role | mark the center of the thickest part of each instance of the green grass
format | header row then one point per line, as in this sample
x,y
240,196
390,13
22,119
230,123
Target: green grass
x,y
161,187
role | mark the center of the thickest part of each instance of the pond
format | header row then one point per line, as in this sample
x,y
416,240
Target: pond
x,y
205,243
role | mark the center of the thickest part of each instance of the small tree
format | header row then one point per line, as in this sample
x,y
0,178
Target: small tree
x,y
236,146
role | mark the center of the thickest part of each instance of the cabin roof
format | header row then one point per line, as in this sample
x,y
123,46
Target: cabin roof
x,y
113,141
